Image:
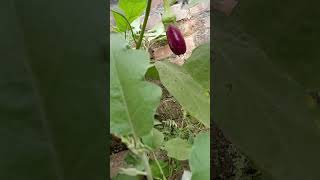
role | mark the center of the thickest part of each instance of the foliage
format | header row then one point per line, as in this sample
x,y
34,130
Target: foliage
x,y
156,170
128,115
134,100
178,148
53,90
271,120
131,10
199,161
190,94
154,140
202,62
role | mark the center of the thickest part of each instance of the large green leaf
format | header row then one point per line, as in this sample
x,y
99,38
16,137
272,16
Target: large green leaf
x,y
261,109
121,21
53,90
178,148
156,172
133,100
152,73
189,93
131,9
289,34
200,157
198,65
154,139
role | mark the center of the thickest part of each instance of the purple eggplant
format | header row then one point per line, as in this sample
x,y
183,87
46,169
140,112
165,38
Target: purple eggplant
x,y
176,40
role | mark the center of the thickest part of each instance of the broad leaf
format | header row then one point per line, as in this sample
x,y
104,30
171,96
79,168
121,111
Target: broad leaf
x,y
200,157
53,90
178,148
198,65
154,140
125,8
156,172
289,34
133,160
132,8
152,73
262,109
133,100
189,93
121,20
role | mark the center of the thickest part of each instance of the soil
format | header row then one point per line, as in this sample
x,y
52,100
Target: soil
x,y
228,163
116,145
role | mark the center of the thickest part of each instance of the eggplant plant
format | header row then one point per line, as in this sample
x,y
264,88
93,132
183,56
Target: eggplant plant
x,y
134,101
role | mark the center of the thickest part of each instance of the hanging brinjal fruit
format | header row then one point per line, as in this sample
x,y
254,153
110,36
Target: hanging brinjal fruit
x,y
176,40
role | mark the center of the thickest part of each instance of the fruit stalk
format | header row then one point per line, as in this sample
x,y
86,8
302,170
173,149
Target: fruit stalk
x,y
168,17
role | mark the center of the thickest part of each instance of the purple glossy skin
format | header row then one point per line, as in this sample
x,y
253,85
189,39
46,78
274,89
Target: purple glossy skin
x,y
176,40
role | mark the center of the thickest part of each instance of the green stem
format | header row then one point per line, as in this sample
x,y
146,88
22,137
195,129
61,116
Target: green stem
x,y
158,164
145,161
144,23
166,5
127,23
168,17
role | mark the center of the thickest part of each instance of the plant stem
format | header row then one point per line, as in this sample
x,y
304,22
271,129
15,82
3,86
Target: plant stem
x,y
168,17
166,5
158,164
144,23
145,161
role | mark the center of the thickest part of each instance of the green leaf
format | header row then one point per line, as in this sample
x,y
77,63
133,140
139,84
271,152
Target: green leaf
x,y
133,160
198,65
200,157
53,90
152,73
156,172
154,139
134,101
121,20
261,109
132,8
178,148
293,45
189,93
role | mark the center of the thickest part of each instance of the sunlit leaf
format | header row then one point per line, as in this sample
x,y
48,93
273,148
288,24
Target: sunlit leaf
x,y
134,101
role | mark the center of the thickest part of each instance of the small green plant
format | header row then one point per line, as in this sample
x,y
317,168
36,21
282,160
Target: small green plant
x,y
134,100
